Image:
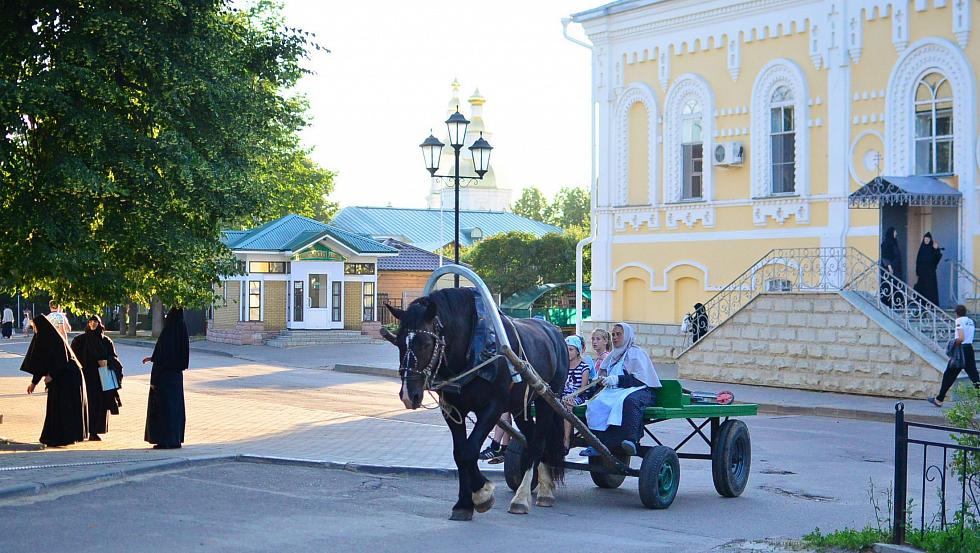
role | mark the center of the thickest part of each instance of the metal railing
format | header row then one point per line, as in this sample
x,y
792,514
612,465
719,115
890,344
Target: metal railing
x,y
833,270
912,311
964,286
956,454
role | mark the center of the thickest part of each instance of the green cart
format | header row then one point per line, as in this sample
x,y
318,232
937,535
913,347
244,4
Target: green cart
x,y
659,473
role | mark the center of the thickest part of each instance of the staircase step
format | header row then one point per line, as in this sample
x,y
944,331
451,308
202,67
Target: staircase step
x,y
298,338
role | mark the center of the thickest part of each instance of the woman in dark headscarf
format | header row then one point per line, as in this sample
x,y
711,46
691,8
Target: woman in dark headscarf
x,y
925,268
891,254
94,349
165,416
50,359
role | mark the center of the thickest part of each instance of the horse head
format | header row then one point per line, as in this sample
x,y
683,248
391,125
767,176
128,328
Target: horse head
x,y
421,348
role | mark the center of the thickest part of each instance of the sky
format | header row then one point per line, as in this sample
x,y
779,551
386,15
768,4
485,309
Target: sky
x,y
386,83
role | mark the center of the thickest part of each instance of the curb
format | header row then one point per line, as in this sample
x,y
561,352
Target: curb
x,y
361,369
38,488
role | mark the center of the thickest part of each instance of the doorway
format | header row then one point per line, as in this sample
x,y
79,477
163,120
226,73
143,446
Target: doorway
x,y
912,222
313,294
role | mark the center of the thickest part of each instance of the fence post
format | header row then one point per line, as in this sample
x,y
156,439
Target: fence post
x,y
901,474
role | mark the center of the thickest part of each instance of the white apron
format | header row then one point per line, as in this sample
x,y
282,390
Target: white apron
x,y
606,408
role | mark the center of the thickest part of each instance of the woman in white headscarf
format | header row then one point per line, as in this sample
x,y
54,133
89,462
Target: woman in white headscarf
x,y
616,413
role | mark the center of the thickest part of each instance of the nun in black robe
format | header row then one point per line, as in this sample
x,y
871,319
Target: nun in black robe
x,y
94,348
165,416
926,262
891,254
50,359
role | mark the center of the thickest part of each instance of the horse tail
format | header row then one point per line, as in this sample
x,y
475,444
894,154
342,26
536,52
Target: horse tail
x,y
554,449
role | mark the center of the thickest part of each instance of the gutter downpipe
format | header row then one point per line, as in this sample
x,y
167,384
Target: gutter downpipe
x,y
593,189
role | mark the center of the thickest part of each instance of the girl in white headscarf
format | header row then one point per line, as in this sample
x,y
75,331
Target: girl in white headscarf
x,y
616,413
578,378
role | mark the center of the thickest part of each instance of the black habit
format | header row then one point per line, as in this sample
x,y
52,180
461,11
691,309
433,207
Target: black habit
x,y
49,355
165,416
926,263
891,254
90,347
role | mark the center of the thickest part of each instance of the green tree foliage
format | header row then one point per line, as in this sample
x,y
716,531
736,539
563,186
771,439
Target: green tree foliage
x,y
132,132
569,209
532,204
514,261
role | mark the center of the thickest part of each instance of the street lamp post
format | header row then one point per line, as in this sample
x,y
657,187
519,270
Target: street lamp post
x,y
479,150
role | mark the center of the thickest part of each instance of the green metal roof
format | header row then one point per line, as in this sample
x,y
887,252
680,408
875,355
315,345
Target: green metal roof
x,y
292,232
525,298
431,229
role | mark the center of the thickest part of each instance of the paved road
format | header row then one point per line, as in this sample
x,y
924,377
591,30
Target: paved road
x,y
807,471
238,507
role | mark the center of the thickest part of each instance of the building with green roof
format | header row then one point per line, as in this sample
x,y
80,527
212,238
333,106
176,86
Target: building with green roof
x,y
298,274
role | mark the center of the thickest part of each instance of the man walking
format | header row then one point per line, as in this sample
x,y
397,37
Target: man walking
x,y
7,321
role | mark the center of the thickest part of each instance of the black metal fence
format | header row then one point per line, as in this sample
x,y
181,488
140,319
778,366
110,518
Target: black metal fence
x,y
949,478
385,316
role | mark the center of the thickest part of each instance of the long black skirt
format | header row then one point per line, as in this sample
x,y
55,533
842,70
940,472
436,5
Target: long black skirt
x,y
65,421
165,416
98,421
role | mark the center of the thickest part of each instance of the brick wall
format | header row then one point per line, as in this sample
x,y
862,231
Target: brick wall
x,y
226,315
275,305
352,306
662,342
403,285
814,342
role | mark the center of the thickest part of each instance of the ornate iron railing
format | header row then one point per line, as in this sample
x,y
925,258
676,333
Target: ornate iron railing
x,y
913,312
956,454
964,286
830,270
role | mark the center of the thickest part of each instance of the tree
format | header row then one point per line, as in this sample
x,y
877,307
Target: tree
x,y
513,261
532,204
132,132
571,208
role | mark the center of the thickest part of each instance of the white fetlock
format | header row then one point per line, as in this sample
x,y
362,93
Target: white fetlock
x,y
484,494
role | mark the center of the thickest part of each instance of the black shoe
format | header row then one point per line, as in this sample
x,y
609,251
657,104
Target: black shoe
x,y
489,453
628,447
498,456
94,438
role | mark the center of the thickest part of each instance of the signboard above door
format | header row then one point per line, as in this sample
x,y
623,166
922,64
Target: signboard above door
x,y
318,252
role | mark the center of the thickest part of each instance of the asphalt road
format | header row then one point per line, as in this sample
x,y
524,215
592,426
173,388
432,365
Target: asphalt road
x,y
238,507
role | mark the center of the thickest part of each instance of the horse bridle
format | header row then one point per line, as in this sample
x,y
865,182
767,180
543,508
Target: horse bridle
x,y
410,371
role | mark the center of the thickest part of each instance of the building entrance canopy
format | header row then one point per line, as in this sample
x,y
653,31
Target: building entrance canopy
x,y
917,191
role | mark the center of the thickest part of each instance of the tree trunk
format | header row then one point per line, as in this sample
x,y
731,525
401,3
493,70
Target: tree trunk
x,y
134,311
157,309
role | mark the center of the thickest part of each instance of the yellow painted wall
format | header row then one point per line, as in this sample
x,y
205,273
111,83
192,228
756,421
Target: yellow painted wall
x,y
226,315
274,309
639,145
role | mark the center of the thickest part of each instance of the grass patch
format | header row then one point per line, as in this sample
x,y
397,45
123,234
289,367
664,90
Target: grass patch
x,y
933,540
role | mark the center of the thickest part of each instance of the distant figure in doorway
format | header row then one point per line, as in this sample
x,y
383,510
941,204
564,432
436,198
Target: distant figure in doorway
x,y
7,321
97,354
49,358
967,358
59,319
165,417
891,254
926,263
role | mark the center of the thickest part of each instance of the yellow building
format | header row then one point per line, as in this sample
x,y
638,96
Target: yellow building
x,y
726,129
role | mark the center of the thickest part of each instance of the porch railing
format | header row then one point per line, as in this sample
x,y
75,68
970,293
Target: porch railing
x,y
964,286
961,490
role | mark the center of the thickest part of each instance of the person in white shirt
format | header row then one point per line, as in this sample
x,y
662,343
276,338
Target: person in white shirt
x,y
59,319
7,322
965,329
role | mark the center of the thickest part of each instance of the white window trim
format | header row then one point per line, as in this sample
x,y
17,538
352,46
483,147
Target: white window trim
x,y
921,58
635,92
779,72
687,87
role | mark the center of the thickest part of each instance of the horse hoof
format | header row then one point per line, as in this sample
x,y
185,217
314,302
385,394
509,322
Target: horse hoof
x,y
518,509
485,506
545,501
461,514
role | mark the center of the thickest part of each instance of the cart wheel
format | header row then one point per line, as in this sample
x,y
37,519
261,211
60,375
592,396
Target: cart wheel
x,y
731,458
608,481
660,475
512,467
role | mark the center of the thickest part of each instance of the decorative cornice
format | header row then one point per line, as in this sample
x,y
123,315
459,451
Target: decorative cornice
x,y
781,209
689,214
636,217
962,21
735,55
900,27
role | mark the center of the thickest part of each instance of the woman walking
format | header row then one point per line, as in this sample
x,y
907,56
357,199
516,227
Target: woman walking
x,y
165,417
50,359
926,262
97,354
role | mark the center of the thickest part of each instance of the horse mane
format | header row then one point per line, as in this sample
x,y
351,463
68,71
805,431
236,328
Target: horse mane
x,y
456,312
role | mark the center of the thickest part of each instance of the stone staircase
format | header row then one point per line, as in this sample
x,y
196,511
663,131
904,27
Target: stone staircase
x,y
297,338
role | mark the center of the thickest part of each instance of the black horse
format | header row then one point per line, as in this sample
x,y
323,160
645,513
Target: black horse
x,y
433,341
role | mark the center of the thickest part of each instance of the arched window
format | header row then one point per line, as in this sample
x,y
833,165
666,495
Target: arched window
x,y
933,125
692,150
782,140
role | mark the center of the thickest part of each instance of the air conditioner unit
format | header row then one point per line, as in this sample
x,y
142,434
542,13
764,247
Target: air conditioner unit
x,y
728,153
